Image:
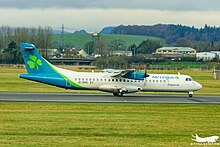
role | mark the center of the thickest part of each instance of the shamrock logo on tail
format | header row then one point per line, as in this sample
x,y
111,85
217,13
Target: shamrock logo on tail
x,y
34,62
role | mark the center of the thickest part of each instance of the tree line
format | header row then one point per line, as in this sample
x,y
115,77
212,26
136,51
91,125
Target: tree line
x,y
10,38
204,39
42,37
172,33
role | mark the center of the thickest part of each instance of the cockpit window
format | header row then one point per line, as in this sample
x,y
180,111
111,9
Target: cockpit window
x,y
189,79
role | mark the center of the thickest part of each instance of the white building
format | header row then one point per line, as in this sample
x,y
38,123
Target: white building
x,y
205,56
121,53
217,53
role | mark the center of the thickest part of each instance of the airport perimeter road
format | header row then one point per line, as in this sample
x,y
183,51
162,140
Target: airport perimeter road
x,y
107,98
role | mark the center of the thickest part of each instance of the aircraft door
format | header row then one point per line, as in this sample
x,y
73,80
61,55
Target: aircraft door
x,y
68,83
145,83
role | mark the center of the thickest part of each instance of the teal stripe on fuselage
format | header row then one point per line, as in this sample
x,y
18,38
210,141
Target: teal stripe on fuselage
x,y
51,79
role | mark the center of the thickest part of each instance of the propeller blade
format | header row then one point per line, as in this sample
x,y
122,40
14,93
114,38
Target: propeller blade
x,y
145,73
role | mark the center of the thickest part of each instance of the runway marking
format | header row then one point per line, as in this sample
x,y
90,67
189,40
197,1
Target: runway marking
x,y
107,98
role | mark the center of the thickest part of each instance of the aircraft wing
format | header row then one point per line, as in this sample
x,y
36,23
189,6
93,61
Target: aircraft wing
x,y
129,73
119,73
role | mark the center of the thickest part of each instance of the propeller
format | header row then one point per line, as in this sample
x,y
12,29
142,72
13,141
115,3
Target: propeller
x,y
145,76
145,72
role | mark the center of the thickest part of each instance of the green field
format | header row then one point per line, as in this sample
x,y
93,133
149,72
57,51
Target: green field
x,y
79,40
74,124
11,83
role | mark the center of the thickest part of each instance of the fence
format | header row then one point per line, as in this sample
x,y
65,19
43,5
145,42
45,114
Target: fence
x,y
132,66
216,74
158,66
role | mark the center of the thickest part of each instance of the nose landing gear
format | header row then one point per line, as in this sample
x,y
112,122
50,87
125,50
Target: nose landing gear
x,y
190,93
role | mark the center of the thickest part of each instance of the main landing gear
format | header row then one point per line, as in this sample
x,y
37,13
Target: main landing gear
x,y
120,94
190,94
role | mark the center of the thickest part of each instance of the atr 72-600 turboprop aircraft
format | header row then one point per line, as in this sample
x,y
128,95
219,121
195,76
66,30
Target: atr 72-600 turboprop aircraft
x,y
117,82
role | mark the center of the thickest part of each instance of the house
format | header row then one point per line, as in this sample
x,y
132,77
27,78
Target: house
x,y
50,52
70,53
175,52
82,53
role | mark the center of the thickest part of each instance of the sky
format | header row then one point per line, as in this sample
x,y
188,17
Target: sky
x,y
93,15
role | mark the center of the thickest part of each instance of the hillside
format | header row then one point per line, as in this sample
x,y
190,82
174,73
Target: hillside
x,y
171,33
106,30
79,40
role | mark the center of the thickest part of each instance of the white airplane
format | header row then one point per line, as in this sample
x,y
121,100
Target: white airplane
x,y
206,139
117,82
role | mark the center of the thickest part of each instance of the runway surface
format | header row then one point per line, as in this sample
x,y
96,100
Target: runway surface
x,y
107,98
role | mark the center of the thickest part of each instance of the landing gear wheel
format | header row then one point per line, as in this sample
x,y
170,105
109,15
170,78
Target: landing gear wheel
x,y
118,94
115,93
121,94
190,94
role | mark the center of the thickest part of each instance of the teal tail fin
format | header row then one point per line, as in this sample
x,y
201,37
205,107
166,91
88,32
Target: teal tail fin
x,y
34,62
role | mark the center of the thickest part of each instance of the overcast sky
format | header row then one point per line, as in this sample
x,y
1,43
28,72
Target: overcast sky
x,y
93,15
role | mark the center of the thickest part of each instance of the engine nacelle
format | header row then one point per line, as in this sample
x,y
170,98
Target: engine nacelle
x,y
116,88
130,89
135,75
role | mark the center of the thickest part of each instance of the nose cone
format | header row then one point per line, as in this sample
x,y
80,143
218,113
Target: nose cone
x,y
198,86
